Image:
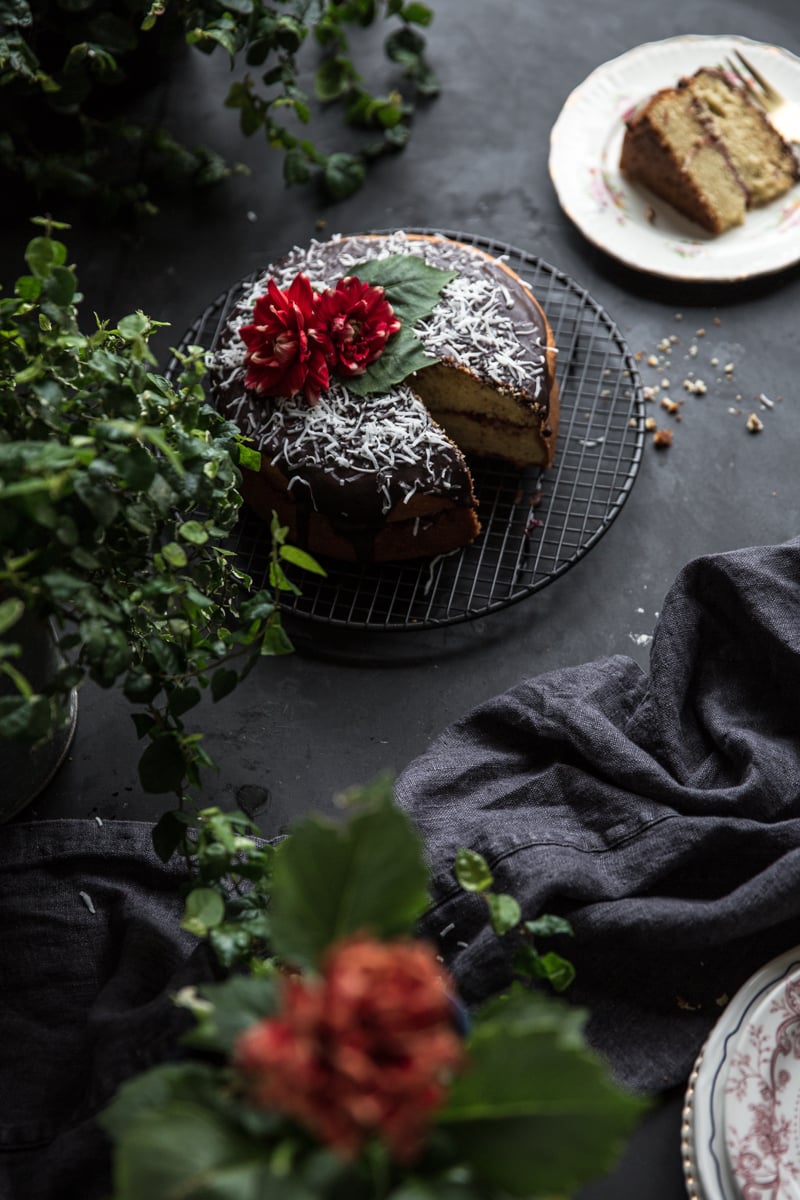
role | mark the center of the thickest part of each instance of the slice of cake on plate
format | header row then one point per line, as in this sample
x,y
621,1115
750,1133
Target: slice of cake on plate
x,y
705,148
363,369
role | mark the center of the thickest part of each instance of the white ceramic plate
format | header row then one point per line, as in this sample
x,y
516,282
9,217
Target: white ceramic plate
x,y
627,221
762,1096
707,1168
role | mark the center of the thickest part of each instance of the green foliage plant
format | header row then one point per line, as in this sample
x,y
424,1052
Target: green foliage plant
x,y
118,492
65,65
533,1113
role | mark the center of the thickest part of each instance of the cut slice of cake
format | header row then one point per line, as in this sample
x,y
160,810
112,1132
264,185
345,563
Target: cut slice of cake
x,y
707,150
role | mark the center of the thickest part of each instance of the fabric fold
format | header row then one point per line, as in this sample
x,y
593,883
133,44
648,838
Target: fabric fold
x,y
660,813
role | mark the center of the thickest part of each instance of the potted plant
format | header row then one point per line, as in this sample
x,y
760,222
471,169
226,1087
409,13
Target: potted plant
x,y
336,1060
118,490
68,67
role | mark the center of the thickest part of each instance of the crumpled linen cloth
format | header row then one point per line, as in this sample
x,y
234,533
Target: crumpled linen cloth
x,y
91,953
659,812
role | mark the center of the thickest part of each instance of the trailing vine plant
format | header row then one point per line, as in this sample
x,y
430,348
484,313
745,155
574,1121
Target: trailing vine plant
x,y
67,68
118,493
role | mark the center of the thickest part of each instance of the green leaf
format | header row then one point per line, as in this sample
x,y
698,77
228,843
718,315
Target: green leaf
x,y
404,45
249,459
24,718
301,558
61,286
152,1089
169,831
162,767
536,1112
504,913
28,287
223,681
183,699
194,532
42,254
556,970
234,1005
186,1149
10,612
174,554
276,641
403,356
204,908
100,501
332,79
133,326
332,879
548,925
417,14
472,871
344,174
296,167
144,724
412,286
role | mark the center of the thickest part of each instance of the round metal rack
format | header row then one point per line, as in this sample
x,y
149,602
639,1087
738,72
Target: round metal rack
x,y
535,527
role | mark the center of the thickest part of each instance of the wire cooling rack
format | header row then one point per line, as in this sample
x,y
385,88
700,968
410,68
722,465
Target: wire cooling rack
x,y
535,526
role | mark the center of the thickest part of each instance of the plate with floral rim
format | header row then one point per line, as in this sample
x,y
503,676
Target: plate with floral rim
x,y
762,1096
708,1169
628,221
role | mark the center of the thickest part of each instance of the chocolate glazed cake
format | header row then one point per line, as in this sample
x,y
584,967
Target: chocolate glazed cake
x,y
383,477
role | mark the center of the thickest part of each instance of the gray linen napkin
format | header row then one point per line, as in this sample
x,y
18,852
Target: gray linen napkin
x,y
660,813
90,954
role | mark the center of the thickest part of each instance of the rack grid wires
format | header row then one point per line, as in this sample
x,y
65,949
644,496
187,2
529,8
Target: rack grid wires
x,y
535,526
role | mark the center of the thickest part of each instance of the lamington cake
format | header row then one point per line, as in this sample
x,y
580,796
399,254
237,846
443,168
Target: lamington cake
x,y
708,150
381,475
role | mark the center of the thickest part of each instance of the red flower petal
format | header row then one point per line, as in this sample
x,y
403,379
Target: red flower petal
x,y
282,356
354,321
365,1051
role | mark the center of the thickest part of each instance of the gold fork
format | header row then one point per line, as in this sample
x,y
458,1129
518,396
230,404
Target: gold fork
x,y
784,114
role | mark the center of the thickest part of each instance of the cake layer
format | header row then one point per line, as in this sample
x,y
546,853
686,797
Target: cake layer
x,y
765,163
671,148
706,149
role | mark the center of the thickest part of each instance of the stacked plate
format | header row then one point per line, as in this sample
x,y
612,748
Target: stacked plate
x,y
741,1126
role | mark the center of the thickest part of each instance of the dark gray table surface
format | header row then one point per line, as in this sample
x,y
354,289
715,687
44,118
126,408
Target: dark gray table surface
x,y
303,727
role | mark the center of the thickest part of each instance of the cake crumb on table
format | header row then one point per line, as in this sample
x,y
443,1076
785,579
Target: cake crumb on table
x,y
754,423
662,438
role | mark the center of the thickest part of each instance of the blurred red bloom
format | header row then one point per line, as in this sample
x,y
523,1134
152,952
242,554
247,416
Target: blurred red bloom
x,y
283,355
354,320
367,1049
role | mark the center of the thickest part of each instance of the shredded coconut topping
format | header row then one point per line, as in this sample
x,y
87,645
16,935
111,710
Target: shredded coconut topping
x,y
356,436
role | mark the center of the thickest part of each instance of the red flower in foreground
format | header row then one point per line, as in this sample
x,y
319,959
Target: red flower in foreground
x,y
283,356
354,321
366,1050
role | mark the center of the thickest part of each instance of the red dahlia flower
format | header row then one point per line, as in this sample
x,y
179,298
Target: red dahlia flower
x,y
283,355
366,1050
354,322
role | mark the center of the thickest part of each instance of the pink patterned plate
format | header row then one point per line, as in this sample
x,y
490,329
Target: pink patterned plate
x,y
706,1161
761,1108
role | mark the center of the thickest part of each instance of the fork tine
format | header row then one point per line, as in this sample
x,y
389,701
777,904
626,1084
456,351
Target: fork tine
x,y
769,90
757,96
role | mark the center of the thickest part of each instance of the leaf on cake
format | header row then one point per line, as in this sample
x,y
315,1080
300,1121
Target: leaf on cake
x,y
404,354
412,286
